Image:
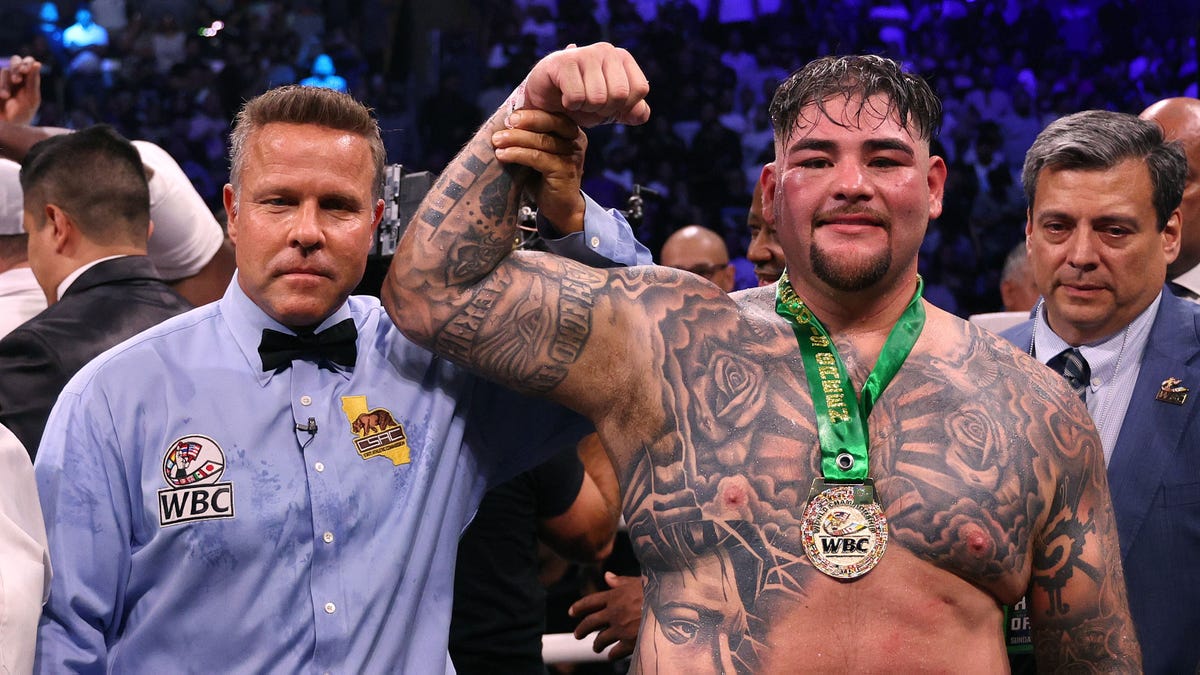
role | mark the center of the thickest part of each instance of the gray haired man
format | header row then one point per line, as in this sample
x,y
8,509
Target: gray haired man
x,y
1103,192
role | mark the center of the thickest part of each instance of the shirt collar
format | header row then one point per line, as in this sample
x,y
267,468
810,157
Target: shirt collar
x,y
247,320
1103,356
66,283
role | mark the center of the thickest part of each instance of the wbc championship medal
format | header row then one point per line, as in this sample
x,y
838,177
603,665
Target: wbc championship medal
x,y
843,529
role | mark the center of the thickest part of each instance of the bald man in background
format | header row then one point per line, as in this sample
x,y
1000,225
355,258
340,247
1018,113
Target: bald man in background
x,y
1018,293
700,251
1180,121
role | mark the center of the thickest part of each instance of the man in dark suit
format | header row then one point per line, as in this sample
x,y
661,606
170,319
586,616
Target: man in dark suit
x,y
1103,192
87,214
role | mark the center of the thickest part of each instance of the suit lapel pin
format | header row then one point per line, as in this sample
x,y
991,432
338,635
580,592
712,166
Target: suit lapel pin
x,y
1172,392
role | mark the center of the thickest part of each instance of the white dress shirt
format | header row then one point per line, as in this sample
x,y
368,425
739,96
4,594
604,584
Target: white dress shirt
x,y
20,298
24,557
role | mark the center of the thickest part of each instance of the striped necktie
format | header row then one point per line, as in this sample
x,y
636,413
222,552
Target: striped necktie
x,y
1072,366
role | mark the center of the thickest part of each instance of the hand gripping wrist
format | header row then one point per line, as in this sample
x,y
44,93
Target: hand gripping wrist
x,y
515,102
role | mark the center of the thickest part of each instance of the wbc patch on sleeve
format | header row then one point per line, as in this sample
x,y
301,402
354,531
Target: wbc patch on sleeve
x,y
192,467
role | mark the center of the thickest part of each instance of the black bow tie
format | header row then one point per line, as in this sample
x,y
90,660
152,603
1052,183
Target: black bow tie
x,y
335,344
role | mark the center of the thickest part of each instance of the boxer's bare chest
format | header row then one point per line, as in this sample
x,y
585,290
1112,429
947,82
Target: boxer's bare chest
x,y
948,454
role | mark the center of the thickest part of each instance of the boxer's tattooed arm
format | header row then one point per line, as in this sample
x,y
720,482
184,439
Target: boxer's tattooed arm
x,y
1078,605
526,324
532,319
460,233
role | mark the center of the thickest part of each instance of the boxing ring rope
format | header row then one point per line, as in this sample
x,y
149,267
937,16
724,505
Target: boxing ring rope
x,y
564,648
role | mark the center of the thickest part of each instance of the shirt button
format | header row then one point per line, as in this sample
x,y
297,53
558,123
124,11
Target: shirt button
x,y
319,466
330,608
328,537
595,242
306,400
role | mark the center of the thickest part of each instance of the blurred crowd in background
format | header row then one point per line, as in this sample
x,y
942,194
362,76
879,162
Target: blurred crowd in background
x,y
174,71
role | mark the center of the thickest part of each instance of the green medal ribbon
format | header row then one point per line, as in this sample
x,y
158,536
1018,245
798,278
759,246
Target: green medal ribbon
x,y
841,417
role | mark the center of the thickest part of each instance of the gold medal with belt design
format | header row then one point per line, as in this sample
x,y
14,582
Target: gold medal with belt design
x,y
843,528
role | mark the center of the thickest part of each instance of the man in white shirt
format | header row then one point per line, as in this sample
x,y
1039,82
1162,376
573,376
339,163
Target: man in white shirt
x,y
24,558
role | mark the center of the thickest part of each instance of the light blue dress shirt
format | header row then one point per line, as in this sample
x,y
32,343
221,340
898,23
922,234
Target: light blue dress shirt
x,y
196,525
606,240
1115,363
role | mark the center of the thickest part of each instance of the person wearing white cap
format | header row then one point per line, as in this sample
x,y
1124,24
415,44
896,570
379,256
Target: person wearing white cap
x,y
20,296
189,248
